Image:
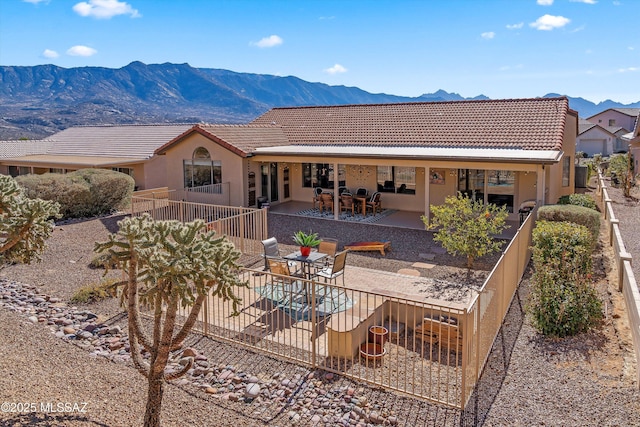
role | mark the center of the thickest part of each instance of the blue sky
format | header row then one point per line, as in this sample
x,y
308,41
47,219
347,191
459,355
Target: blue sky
x,y
499,48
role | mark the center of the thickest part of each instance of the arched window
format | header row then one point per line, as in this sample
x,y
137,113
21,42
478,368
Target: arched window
x,y
201,170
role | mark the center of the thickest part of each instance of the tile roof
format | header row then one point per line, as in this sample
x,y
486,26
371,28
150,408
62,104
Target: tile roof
x,y
22,148
530,124
130,141
628,111
241,139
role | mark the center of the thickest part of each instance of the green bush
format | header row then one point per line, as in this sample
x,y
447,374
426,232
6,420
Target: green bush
x,y
576,214
562,300
578,200
83,193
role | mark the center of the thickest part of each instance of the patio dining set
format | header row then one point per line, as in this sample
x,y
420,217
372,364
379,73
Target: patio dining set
x,y
295,296
359,201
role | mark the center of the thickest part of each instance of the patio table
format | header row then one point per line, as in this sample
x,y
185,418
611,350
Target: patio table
x,y
363,201
306,261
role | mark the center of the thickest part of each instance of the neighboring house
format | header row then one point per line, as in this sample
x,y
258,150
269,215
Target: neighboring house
x,y
633,139
415,154
594,139
125,148
616,117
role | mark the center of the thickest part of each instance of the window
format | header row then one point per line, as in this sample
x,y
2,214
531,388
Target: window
x,y
56,170
396,179
19,170
201,170
566,170
612,122
321,175
128,171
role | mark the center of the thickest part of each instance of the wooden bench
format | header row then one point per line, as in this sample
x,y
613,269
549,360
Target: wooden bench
x,y
446,334
369,246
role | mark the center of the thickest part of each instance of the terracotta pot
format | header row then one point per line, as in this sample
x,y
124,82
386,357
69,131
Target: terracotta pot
x,y
305,250
378,334
372,351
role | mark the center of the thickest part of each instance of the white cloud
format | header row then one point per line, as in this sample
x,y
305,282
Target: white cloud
x,y
588,51
584,1
630,48
80,50
515,26
549,22
270,41
105,9
488,35
336,69
545,2
327,18
629,69
48,53
35,1
616,3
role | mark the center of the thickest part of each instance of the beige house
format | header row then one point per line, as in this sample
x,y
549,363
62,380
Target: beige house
x,y
414,154
126,148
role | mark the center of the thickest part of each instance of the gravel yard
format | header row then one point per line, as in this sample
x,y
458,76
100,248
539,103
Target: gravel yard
x,y
586,380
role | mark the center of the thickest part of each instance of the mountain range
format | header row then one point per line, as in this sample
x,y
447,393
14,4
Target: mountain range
x,y
36,101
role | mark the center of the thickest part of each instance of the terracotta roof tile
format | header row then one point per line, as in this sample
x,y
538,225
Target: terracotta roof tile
x,y
530,124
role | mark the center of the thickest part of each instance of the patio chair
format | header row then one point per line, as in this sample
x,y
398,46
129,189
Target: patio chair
x,y
346,203
272,252
332,273
362,192
326,201
317,191
375,204
342,190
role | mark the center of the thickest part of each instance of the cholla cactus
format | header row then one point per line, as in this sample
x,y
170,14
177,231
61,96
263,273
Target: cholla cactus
x,y
25,224
169,265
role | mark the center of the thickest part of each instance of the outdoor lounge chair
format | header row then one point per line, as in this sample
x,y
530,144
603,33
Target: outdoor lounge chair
x,y
317,191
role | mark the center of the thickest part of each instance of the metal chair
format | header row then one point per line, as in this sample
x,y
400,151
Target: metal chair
x,y
337,269
272,252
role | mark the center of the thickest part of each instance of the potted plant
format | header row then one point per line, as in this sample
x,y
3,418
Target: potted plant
x,y
306,241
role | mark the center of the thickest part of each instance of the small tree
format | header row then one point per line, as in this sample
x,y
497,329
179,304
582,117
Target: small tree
x,y
169,265
622,168
25,224
467,227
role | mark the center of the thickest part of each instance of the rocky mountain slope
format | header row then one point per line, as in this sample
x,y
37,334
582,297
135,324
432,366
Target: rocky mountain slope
x,y
40,100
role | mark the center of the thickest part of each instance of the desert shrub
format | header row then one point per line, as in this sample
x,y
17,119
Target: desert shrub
x,y
110,189
584,200
576,214
94,292
562,300
83,193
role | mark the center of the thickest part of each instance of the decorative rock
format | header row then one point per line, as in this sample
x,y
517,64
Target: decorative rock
x,y
33,319
68,330
252,390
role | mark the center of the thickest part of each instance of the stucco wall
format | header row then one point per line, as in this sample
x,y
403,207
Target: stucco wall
x,y
233,169
623,120
554,178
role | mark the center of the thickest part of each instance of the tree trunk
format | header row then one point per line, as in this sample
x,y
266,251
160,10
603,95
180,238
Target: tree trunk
x,y
154,399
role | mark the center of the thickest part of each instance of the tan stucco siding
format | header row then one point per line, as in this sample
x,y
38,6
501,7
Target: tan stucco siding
x,y
233,171
554,183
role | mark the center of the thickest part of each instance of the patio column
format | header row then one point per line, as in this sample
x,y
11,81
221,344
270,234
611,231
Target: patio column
x,y
540,185
336,196
427,205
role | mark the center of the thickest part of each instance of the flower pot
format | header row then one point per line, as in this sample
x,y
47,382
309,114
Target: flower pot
x,y
372,351
378,334
305,250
